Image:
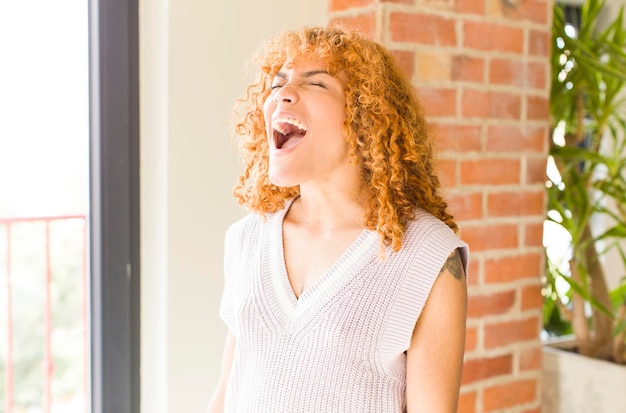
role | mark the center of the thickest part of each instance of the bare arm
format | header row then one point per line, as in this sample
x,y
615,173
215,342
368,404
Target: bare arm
x,y
435,357
216,405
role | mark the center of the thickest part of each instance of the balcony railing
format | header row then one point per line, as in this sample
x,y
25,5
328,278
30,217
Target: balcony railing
x,y
44,301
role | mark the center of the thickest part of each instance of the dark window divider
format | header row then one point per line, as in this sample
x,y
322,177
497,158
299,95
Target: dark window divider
x,y
114,217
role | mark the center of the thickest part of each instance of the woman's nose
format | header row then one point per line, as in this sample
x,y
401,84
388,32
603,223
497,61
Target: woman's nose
x,y
286,94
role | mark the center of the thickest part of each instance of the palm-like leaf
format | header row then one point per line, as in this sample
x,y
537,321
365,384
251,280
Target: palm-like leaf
x,y
587,102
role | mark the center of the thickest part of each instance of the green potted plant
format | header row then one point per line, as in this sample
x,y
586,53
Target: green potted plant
x,y
587,184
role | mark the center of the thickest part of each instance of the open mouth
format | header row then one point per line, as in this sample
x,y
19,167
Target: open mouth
x,y
287,132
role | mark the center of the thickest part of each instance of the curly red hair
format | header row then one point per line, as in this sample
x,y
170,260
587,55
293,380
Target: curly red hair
x,y
385,129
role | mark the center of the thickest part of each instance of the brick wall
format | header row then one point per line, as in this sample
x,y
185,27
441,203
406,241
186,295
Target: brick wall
x,y
482,71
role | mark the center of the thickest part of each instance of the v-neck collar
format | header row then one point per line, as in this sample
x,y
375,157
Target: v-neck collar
x,y
285,305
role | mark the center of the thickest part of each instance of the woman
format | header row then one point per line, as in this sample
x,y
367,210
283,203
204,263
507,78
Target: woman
x,y
345,288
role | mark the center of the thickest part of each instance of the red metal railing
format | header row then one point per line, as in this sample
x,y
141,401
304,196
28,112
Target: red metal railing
x,y
46,256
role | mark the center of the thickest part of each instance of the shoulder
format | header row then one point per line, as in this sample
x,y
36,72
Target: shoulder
x,y
243,226
427,247
248,229
425,223
427,235
426,227
240,240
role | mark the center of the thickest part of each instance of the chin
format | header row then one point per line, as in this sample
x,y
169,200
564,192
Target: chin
x,y
282,180
283,183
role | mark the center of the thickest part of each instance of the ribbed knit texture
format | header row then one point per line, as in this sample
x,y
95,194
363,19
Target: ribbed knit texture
x,y
341,346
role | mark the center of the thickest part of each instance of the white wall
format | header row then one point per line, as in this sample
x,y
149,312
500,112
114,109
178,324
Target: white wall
x,y
192,59
610,11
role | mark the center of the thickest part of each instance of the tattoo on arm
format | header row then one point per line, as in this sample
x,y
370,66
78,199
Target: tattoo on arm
x,y
454,265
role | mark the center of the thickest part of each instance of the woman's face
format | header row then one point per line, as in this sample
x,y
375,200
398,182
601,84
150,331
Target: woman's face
x,y
304,117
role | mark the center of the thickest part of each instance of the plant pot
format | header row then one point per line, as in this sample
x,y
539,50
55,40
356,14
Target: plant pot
x,y
574,383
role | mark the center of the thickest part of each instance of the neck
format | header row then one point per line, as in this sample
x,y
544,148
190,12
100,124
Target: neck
x,y
326,209
330,202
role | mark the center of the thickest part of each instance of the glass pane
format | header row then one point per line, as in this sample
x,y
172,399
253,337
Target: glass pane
x,y
44,146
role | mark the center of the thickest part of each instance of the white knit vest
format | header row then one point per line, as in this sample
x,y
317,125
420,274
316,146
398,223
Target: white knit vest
x,y
341,346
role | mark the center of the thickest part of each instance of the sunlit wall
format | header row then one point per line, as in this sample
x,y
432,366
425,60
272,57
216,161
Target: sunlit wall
x,y
192,56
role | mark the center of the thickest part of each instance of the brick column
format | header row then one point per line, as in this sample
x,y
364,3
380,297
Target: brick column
x,y
482,70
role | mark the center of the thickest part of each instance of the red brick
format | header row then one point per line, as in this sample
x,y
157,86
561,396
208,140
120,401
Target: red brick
x,y
475,103
365,22
531,10
490,304
493,37
485,368
438,101
466,206
519,203
467,402
470,7
539,43
538,108
504,71
434,66
536,169
531,297
533,234
422,28
509,332
446,170
487,147
336,5
530,358
481,104
458,137
503,396
537,75
511,138
513,268
485,237
505,105
473,272
517,72
468,69
490,171
471,339
406,60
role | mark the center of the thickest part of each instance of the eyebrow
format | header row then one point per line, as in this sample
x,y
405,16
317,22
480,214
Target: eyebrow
x,y
305,75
